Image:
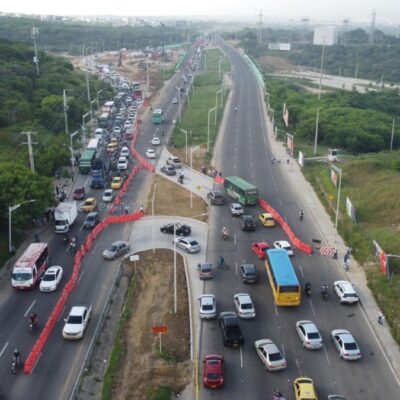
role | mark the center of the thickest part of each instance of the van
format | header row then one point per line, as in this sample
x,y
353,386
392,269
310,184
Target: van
x,y
99,134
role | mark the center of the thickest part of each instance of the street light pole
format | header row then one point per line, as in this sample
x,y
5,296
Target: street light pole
x,y
179,103
91,112
186,142
175,280
219,69
152,218
191,170
10,210
208,128
319,98
216,103
83,127
72,153
339,171
97,97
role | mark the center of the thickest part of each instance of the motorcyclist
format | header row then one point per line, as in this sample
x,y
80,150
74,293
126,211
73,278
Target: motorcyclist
x,y
278,395
17,357
235,109
301,215
324,290
33,318
307,288
225,233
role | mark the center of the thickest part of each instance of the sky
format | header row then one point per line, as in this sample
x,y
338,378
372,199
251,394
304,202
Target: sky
x,y
356,10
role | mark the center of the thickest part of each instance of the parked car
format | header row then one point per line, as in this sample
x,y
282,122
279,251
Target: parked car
x,y
108,196
304,389
236,209
213,371
345,292
180,229
285,245
89,205
116,249
345,344
231,333
267,220
205,271
76,323
208,306
249,273
155,141
248,223
174,161
216,198
270,355
150,153
309,334
188,244
51,278
244,306
79,193
91,220
168,170
260,248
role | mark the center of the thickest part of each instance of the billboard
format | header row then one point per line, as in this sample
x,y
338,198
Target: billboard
x,y
301,158
351,211
285,115
325,35
279,46
381,256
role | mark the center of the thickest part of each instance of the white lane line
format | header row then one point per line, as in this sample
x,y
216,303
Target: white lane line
x,y
283,351
36,363
326,356
236,268
80,277
3,349
241,357
312,307
234,238
301,271
276,309
30,307
298,366
62,312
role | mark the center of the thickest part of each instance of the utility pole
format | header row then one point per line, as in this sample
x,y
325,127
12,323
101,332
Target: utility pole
x,y
392,136
65,110
30,143
87,87
372,33
259,28
319,98
34,36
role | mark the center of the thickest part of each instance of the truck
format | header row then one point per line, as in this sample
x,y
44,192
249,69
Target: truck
x,y
98,174
65,215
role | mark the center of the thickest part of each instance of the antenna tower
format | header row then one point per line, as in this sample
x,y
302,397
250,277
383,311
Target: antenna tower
x,y
34,36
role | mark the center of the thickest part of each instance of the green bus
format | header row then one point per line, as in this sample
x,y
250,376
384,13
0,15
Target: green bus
x,y
104,120
86,160
242,191
157,116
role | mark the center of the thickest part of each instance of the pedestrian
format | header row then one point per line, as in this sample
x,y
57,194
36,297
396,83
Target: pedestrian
x,y
121,207
57,190
36,238
126,209
335,254
141,209
221,262
287,160
272,160
381,318
279,160
34,222
204,170
347,265
220,173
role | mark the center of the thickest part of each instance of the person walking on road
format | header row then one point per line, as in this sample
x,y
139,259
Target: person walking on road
x,y
221,262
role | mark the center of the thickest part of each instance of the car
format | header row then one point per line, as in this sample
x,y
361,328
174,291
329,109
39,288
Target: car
x,y
260,248
116,249
108,196
174,161
230,328
304,389
116,182
112,147
248,223
124,152
168,170
150,153
77,321
236,209
249,273
345,292
267,220
89,205
79,193
122,164
205,271
208,306
174,100
285,245
244,306
180,229
213,371
345,344
216,198
91,220
270,355
155,141
117,130
188,244
309,334
51,279
127,125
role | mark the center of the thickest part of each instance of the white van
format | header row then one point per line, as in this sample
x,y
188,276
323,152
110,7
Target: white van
x,y
99,134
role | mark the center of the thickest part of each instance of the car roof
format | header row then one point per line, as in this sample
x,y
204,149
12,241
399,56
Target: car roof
x,y
309,326
248,266
77,310
235,205
243,297
52,269
118,242
283,243
90,199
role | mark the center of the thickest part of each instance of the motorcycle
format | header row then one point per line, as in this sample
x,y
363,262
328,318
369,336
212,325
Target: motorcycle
x,y
225,234
307,289
324,292
32,325
15,365
278,395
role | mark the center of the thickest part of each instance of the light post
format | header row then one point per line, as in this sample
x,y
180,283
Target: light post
x,y
339,171
319,97
152,218
10,210
186,142
208,128
97,97
72,153
219,69
91,111
216,103
83,126
179,103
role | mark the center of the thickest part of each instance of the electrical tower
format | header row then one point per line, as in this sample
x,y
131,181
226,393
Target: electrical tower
x,y
34,36
30,143
259,37
372,33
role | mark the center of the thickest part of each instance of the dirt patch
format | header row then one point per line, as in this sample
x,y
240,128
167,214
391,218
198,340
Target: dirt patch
x,y
277,64
144,367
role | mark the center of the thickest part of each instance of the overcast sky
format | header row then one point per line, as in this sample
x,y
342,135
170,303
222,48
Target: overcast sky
x,y
356,10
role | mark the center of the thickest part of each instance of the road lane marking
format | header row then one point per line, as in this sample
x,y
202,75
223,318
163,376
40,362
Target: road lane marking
x,y
301,271
312,308
297,362
3,349
234,238
30,307
62,312
236,268
241,357
80,277
276,309
36,363
326,355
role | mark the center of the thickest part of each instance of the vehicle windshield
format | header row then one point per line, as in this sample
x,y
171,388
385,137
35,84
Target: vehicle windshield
x,y
112,248
275,356
74,319
49,277
213,376
22,276
60,222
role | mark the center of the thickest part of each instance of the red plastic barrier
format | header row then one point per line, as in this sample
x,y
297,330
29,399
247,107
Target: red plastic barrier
x,y
219,179
305,248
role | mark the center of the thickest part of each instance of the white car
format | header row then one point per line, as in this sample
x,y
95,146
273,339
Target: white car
x,y
108,196
155,141
244,306
188,244
51,279
150,153
285,245
270,355
309,334
124,152
127,125
345,292
122,164
174,100
236,209
345,344
208,306
77,321
117,130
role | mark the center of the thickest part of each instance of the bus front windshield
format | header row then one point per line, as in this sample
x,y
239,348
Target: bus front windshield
x,y
22,276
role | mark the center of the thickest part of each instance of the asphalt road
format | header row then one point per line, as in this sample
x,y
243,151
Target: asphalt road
x,y
245,153
56,372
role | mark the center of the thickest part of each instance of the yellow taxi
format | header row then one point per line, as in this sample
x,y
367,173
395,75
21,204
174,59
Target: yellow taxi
x,y
304,389
267,220
89,205
111,147
116,182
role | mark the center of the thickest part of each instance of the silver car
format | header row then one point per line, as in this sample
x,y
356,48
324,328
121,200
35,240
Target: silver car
x,y
345,344
309,334
115,250
208,306
236,209
188,244
270,355
244,306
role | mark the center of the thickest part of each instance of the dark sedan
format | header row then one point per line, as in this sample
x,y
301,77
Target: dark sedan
x,y
180,229
168,170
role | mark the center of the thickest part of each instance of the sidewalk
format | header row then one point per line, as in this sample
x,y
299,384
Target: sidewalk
x,y
325,226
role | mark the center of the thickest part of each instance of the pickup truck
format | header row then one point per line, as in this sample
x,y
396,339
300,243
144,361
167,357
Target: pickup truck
x,y
76,323
231,333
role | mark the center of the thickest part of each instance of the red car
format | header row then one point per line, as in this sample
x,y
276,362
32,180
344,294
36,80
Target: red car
x,y
260,249
213,371
79,193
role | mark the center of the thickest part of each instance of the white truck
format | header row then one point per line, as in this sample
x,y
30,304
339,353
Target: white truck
x,y
65,215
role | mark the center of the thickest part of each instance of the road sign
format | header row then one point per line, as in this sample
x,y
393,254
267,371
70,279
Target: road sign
x,y
159,329
134,257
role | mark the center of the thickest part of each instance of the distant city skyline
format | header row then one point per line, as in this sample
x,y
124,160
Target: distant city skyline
x,y
327,10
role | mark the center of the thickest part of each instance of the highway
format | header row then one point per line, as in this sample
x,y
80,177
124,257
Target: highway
x,y
245,152
56,372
